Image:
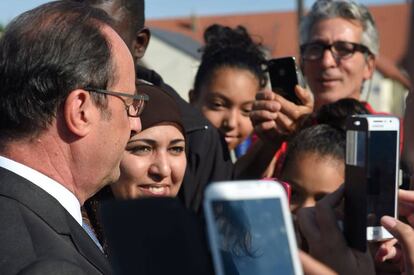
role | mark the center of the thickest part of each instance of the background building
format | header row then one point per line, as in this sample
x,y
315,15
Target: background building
x,y
173,49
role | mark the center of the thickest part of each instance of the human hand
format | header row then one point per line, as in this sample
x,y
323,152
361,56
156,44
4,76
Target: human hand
x,y
388,259
312,266
403,253
319,228
274,116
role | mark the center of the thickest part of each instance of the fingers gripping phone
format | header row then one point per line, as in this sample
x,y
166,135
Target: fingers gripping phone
x,y
284,76
250,229
371,177
286,186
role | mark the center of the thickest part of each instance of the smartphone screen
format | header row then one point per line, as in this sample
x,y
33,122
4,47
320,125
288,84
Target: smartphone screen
x,y
371,177
252,237
381,178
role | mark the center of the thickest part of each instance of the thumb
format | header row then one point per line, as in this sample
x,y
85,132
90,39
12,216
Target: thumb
x,y
404,233
312,266
305,96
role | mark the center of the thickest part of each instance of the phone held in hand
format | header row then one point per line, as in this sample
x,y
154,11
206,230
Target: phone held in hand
x,y
371,177
250,229
286,186
284,76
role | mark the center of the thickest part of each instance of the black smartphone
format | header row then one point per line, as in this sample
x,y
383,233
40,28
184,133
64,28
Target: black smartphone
x,y
371,177
284,76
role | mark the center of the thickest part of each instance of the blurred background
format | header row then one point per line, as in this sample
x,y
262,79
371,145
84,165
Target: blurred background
x,y
177,34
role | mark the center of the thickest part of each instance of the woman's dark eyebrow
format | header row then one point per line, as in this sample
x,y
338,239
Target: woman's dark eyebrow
x,y
145,140
217,94
175,141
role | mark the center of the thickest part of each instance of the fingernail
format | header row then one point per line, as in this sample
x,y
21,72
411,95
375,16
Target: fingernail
x,y
388,221
382,255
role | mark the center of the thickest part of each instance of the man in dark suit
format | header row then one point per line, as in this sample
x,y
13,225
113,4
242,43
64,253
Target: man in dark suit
x,y
67,108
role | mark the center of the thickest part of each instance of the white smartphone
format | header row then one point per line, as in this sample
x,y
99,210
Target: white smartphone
x,y
372,172
250,229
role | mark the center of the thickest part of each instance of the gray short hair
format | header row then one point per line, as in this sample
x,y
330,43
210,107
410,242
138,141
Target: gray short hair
x,y
346,9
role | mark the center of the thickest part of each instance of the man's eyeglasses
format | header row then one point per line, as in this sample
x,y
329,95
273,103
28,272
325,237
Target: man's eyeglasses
x,y
339,49
134,109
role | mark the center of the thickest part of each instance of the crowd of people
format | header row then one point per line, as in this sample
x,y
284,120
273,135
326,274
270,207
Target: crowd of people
x,y
83,122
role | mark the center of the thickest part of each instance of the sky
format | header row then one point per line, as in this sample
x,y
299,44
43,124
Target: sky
x,y
176,8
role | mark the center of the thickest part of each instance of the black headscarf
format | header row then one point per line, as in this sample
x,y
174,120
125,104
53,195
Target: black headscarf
x,y
161,107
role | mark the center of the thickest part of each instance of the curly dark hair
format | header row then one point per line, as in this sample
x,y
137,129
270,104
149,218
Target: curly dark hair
x,y
335,114
229,47
322,139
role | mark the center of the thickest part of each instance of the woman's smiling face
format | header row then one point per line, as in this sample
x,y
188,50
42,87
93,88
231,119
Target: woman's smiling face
x,y
154,163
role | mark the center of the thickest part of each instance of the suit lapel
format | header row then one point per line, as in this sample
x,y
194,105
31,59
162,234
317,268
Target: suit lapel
x,y
87,247
40,202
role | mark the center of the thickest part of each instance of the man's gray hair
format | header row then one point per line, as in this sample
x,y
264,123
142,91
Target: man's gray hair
x,y
346,9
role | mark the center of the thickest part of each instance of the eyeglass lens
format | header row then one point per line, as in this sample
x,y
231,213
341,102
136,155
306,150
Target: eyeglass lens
x,y
339,49
136,108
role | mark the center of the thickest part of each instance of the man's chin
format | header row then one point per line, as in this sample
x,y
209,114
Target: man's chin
x,y
327,97
113,177
116,175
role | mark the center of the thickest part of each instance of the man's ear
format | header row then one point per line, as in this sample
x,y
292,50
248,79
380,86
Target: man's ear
x,y
370,67
78,112
140,44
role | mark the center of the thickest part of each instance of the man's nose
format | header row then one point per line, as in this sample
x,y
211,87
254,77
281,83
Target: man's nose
x,y
135,124
328,59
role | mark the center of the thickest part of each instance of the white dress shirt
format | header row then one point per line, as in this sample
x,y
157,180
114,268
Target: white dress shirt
x,y
66,198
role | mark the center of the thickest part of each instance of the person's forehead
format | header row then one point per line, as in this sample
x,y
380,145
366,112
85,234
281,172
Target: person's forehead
x,y
117,43
123,61
162,131
336,27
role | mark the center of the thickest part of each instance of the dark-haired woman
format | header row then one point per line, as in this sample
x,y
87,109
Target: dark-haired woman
x,y
154,160
229,76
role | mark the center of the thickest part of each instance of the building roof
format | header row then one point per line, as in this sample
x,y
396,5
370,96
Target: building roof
x,y
278,32
183,42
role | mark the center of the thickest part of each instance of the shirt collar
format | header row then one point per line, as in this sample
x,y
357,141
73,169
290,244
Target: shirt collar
x,y
66,198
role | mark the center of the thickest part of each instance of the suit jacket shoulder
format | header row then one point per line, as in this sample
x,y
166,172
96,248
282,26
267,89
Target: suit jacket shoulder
x,y
35,227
